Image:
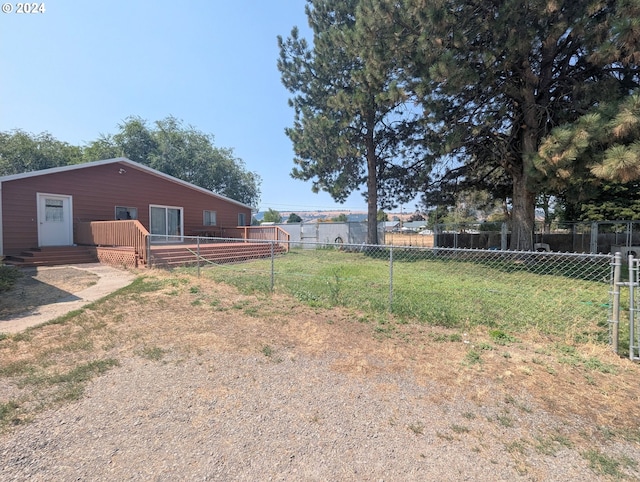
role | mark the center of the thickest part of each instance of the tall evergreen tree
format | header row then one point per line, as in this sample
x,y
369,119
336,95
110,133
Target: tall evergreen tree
x,y
594,162
354,125
497,75
606,142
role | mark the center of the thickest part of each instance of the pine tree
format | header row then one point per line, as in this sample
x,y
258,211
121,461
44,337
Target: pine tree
x,y
496,76
606,142
354,125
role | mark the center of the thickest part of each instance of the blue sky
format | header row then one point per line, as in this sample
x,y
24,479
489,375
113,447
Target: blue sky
x,y
82,67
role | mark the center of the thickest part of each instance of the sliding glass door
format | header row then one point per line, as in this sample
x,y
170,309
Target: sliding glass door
x,y
166,224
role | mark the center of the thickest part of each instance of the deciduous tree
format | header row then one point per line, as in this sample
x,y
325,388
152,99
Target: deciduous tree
x,y
183,152
169,146
272,216
21,151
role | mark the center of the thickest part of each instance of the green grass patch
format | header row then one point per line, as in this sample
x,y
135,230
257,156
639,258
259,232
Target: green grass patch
x,y
85,371
8,411
8,277
77,375
154,353
569,355
608,465
552,444
502,338
16,369
144,284
460,428
22,336
442,337
505,419
508,297
51,388
472,358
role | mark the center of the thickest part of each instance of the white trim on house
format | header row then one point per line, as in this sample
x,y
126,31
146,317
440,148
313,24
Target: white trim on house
x,y
124,160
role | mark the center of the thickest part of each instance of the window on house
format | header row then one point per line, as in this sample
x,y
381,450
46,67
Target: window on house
x,y
54,210
241,219
123,212
209,218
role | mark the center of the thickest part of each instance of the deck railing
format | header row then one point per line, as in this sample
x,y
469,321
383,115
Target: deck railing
x,y
260,233
114,233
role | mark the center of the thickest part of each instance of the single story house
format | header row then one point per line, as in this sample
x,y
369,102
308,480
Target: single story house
x,y
390,226
415,225
49,207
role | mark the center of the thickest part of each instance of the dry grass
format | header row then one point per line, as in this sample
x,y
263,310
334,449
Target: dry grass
x,y
169,316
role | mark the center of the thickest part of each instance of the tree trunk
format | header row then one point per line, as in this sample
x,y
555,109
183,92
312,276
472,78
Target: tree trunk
x,y
523,211
522,216
372,190
372,176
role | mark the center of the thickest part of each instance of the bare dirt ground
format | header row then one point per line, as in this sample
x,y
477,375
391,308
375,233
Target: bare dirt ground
x,y
40,286
209,383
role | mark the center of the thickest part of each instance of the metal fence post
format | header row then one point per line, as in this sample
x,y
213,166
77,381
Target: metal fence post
x,y
615,313
503,236
391,279
272,265
632,308
594,238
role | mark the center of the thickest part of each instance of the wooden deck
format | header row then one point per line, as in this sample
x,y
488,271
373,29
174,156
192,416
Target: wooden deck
x,y
185,254
53,256
162,255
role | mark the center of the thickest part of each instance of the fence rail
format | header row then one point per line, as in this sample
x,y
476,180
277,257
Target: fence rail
x,y
129,233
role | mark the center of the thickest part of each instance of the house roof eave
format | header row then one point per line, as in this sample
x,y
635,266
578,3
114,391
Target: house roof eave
x,y
128,162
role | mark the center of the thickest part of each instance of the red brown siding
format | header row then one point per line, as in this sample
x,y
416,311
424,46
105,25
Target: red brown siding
x,y
96,191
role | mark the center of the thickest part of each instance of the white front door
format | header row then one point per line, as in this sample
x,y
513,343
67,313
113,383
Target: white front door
x,y
55,220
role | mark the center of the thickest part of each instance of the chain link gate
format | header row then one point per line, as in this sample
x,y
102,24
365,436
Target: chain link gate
x,y
634,304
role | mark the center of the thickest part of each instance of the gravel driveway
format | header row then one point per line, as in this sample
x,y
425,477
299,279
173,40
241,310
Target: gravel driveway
x,y
246,418
303,396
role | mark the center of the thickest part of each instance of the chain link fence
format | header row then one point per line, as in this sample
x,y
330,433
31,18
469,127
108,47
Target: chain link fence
x,y
624,312
571,237
566,294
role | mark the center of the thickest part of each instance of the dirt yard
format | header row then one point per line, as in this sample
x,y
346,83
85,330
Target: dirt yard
x,y
204,382
40,286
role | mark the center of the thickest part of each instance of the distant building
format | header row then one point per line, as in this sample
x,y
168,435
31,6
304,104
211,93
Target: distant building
x,y
390,226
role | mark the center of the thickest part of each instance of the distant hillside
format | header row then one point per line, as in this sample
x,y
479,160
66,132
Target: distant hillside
x,y
352,216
